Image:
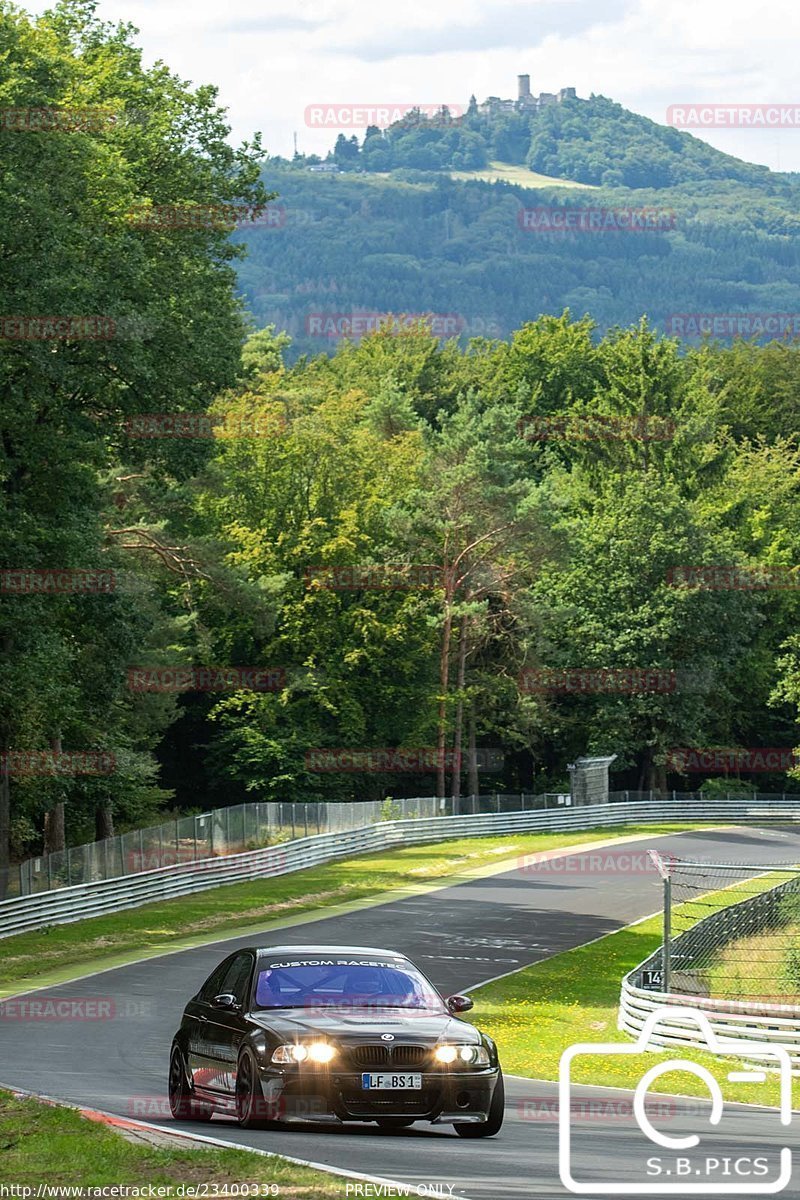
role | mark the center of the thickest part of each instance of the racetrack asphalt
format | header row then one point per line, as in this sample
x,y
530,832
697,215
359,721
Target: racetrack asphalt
x,y
460,935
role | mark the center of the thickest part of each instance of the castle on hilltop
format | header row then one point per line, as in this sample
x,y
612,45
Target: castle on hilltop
x,y
525,101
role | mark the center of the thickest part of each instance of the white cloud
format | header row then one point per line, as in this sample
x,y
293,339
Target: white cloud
x,y
272,58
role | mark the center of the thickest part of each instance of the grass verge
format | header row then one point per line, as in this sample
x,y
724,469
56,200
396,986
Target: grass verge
x,y
61,952
762,966
40,1143
537,1013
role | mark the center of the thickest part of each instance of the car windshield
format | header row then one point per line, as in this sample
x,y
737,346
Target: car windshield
x,y
344,985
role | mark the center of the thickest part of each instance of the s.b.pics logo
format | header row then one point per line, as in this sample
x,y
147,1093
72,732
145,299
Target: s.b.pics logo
x,y
701,1155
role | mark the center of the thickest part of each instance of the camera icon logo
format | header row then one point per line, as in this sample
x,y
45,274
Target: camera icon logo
x,y
691,1179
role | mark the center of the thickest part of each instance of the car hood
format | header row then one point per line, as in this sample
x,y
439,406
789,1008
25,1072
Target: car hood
x,y
422,1028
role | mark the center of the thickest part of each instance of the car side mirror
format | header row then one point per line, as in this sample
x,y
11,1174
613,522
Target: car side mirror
x,y
459,1004
226,1000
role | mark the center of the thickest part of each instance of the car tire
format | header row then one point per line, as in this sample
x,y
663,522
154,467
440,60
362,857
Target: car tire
x,y
395,1122
182,1104
251,1106
494,1121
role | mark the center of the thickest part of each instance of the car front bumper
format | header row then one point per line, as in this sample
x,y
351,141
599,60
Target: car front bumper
x,y
310,1094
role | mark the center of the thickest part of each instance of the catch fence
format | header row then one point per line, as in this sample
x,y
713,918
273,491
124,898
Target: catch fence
x,y
511,815
730,950
237,828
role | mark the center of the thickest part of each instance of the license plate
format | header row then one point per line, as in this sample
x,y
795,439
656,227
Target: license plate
x,y
390,1083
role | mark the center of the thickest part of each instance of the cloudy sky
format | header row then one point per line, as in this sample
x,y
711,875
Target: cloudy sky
x,y
273,58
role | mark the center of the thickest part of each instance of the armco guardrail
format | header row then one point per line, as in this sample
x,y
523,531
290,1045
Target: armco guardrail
x,y
113,895
742,1020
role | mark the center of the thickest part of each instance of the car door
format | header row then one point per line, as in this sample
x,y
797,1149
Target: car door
x,y
226,1027
199,1051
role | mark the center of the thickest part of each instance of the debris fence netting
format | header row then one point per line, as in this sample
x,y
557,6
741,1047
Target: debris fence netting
x,y
733,930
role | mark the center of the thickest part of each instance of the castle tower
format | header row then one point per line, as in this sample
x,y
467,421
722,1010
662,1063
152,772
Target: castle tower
x,y
523,88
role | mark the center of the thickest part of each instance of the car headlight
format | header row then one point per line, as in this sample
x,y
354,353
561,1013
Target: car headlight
x,y
297,1052
474,1056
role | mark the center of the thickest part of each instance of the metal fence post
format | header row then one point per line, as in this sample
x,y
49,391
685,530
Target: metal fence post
x,y
666,964
69,868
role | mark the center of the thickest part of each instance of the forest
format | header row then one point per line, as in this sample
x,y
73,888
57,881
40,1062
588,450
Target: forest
x,y
490,255
224,556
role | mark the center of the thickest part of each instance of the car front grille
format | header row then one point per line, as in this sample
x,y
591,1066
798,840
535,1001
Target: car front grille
x,y
370,1056
397,1104
390,1056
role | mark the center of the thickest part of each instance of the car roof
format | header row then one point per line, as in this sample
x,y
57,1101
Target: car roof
x,y
308,951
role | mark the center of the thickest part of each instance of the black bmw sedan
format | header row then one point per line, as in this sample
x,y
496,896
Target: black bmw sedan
x,y
332,1033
